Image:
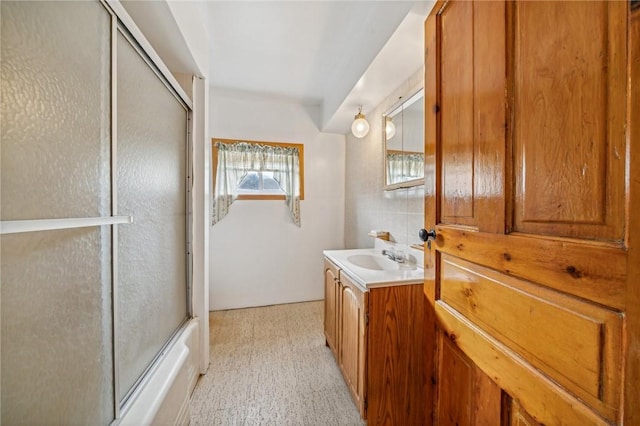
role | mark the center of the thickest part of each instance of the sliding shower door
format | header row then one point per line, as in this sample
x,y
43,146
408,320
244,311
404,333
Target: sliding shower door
x,y
151,187
92,134
57,350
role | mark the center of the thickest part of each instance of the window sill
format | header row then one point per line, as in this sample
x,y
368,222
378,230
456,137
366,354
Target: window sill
x,y
262,197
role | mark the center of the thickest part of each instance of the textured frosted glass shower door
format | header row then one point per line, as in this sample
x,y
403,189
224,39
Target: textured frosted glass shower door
x,y
151,187
57,351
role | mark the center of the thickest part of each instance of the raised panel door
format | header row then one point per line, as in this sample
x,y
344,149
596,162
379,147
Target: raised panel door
x,y
331,288
470,72
568,118
352,346
632,299
454,397
532,277
456,60
519,417
467,395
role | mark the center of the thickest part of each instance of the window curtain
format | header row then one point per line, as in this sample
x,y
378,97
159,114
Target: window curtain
x,y
235,160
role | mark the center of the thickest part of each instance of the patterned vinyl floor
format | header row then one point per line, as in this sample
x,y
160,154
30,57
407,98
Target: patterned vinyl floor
x,y
270,366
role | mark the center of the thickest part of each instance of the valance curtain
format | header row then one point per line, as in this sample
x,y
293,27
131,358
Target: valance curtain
x,y
235,160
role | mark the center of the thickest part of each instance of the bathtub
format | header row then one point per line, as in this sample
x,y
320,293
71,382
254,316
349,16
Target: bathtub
x,y
164,397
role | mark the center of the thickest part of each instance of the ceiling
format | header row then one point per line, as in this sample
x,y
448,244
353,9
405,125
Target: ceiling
x,y
331,55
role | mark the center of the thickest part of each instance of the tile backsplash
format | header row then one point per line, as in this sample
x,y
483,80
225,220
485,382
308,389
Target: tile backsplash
x,y
368,205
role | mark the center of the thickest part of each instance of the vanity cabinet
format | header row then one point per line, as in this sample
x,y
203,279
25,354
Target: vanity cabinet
x,y
376,336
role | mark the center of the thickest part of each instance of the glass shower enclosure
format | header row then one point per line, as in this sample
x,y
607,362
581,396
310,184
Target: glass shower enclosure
x,y
94,194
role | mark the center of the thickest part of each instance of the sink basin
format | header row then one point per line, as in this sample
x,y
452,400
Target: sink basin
x,y
373,262
368,268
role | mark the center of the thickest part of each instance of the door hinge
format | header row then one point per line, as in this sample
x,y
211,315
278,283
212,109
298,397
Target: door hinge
x,y
366,403
366,318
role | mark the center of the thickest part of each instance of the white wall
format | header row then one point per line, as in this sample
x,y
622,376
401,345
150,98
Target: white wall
x,y
200,197
368,206
258,256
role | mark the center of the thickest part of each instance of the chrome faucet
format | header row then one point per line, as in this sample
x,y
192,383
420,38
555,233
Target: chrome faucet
x,y
391,254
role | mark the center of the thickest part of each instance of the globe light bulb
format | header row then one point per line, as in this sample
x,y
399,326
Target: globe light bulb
x,y
390,128
360,126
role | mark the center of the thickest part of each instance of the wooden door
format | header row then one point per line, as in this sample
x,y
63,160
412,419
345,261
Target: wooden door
x,y
352,347
331,291
534,164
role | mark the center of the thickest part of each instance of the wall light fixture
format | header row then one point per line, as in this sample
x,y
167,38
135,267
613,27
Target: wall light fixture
x,y
360,126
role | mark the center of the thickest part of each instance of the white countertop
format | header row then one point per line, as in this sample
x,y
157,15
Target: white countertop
x,y
367,278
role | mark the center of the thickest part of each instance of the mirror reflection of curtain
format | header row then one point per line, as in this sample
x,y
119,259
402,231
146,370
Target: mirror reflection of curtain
x,y
235,160
394,167
413,166
403,166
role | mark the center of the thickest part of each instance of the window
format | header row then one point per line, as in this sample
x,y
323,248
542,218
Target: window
x,y
253,170
259,183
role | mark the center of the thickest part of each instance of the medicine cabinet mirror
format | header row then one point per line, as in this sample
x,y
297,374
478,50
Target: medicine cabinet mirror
x,y
403,132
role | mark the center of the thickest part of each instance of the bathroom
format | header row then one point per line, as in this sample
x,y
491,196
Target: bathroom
x,y
285,261
513,230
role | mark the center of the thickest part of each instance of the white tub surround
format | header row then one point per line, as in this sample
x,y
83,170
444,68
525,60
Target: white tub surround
x,y
164,398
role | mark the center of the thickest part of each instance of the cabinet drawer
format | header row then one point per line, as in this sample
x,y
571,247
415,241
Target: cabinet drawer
x,y
575,343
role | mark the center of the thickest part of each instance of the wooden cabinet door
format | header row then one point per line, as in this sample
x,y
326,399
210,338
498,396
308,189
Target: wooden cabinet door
x,y
352,346
331,292
530,140
396,378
